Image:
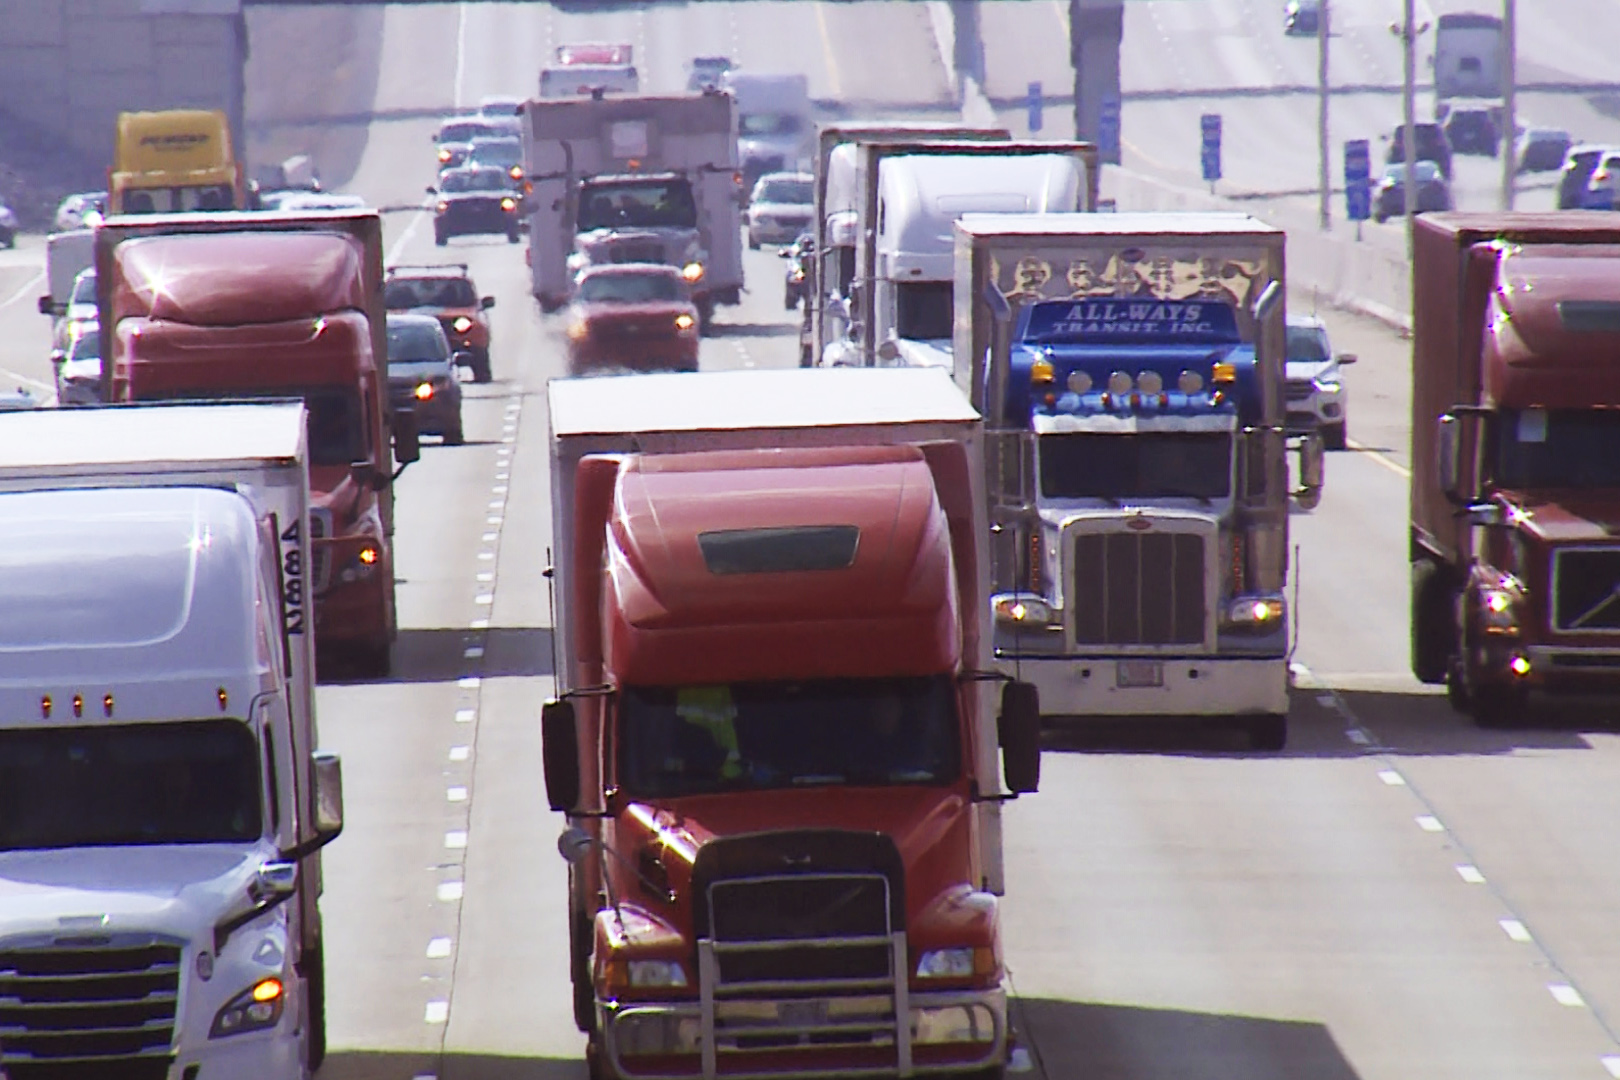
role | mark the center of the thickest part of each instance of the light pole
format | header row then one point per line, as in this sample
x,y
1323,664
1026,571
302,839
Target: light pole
x,y
1510,47
1407,30
1324,28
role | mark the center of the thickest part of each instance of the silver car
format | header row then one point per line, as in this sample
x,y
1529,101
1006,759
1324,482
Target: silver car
x,y
1317,397
780,208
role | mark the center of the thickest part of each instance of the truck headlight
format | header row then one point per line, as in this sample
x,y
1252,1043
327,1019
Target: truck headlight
x,y
644,974
962,963
692,272
1498,610
1255,612
1327,384
462,324
683,321
254,1009
424,391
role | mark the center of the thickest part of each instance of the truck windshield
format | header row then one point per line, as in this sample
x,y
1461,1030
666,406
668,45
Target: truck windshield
x,y
178,199
792,192
637,204
1536,449
749,736
923,310
757,124
194,782
1136,466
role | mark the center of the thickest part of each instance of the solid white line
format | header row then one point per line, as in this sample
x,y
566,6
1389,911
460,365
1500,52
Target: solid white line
x,y
1393,466
1430,824
461,54
455,839
455,794
1392,778
437,1012
469,682
1514,929
466,716
1471,874
459,753
438,948
21,378
1565,994
23,290
450,891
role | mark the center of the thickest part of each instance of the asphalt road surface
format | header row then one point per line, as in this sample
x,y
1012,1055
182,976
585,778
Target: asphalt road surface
x,y
1398,895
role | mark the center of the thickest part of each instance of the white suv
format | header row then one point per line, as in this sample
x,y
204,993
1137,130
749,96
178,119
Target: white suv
x,y
1317,397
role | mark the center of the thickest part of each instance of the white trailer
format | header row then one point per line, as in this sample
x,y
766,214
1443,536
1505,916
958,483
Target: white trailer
x,y
66,254
775,123
635,179
158,744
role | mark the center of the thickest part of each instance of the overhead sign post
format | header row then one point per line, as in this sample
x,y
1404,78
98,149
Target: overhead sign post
x,y
1108,129
1034,107
1357,182
1209,126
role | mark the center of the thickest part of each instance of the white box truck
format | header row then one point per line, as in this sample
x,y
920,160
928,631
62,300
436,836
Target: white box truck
x,y
776,129
634,179
162,802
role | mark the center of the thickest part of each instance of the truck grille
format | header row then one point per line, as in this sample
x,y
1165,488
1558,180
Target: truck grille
x,y
1139,589
1299,389
320,554
92,1009
1586,590
801,928
636,253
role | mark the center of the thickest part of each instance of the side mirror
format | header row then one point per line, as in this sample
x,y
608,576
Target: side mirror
x,y
836,308
574,844
888,350
857,330
431,190
1312,470
461,359
1486,514
58,357
328,795
1019,731
487,302
365,475
407,440
1345,358
47,306
1448,453
783,253
559,748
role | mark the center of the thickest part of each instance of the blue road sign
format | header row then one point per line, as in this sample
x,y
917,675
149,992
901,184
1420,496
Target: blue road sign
x,y
1034,106
1108,127
1357,180
1209,125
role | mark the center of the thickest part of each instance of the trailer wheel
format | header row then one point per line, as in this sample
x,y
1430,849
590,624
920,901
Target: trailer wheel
x,y
1434,630
1334,437
1269,732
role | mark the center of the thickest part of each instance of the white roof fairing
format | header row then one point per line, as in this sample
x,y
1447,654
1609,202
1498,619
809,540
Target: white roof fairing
x,y
101,587
66,441
1166,224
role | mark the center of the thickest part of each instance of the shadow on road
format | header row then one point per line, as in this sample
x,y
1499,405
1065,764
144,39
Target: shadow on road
x,y
1122,1042
1426,724
440,655
755,330
388,1065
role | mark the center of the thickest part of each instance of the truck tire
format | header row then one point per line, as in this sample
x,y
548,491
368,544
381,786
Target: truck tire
x,y
1434,633
482,372
315,992
455,434
375,658
1335,437
706,317
579,958
1268,732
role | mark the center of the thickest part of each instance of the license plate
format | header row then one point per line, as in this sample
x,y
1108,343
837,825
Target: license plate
x,y
1131,674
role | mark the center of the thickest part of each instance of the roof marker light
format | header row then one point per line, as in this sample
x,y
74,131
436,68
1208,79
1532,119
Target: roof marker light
x,y
1223,372
224,698
45,707
1041,371
107,704
78,704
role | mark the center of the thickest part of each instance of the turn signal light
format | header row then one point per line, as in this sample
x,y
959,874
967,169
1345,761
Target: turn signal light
x,y
368,555
267,990
692,271
444,155
1223,372
1041,371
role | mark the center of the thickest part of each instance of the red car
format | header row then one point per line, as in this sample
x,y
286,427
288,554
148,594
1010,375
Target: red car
x,y
632,317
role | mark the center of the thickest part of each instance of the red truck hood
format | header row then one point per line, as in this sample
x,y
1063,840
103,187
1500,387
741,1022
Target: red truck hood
x,y
648,312
1569,516
929,826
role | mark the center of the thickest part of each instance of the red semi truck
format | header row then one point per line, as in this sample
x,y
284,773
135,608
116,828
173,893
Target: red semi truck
x,y
276,306
1515,493
776,738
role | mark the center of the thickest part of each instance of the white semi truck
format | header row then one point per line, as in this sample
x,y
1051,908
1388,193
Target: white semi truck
x,y
775,123
909,197
635,179
162,801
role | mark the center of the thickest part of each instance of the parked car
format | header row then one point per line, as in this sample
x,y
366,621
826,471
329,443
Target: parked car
x,y
1600,186
799,255
475,202
1580,162
422,375
780,207
1432,191
77,365
632,317
455,135
71,211
498,153
1473,131
1315,391
1302,17
449,295
1430,144
1541,149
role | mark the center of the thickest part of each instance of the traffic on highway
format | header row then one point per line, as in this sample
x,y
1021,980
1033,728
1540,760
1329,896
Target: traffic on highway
x,y
744,539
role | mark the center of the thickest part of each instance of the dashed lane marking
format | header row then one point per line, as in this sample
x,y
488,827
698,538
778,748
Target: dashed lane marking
x,y
466,716
456,839
1392,778
437,1012
468,682
438,948
1565,994
455,794
460,753
478,624
1429,823
1515,930
1471,874
450,891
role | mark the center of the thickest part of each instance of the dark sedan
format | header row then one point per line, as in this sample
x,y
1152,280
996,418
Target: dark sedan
x,y
422,375
1432,191
475,202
